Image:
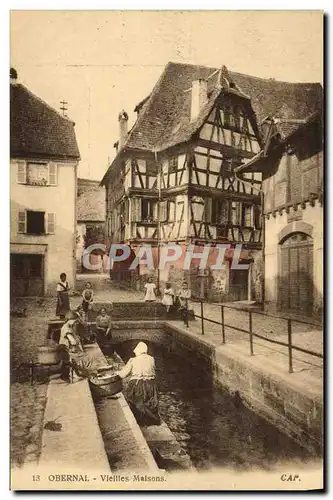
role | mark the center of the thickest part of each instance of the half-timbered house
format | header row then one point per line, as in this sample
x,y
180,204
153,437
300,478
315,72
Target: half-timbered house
x,y
173,178
292,168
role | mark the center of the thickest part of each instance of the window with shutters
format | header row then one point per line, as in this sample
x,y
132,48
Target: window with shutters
x,y
36,223
37,174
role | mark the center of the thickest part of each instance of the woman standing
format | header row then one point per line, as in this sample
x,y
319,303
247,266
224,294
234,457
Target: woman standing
x,y
150,291
141,391
62,297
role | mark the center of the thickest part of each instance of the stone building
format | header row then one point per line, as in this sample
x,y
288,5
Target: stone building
x,y
90,227
292,170
44,159
173,177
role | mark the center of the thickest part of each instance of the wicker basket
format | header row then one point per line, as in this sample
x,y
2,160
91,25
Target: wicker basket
x,y
106,385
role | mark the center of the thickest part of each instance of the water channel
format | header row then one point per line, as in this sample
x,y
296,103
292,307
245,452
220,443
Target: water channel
x,y
214,428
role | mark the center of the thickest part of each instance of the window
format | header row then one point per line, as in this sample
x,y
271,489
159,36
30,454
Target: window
x,y
220,212
296,238
173,165
171,211
235,213
148,210
227,167
227,117
37,174
247,215
151,167
237,115
36,223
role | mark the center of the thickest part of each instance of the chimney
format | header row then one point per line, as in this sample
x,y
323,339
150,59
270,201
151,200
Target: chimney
x,y
13,75
199,97
123,125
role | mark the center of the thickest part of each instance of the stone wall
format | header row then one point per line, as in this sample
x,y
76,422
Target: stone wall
x,y
276,396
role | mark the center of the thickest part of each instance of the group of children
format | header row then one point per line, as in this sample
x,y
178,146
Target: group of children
x,y
170,298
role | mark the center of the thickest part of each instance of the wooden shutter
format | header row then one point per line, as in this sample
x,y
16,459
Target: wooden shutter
x,y
53,174
22,222
136,209
163,211
208,210
126,212
171,211
223,217
236,213
21,172
239,213
155,210
50,223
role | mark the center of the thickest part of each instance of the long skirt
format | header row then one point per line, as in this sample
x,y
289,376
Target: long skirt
x,y
62,304
143,400
82,363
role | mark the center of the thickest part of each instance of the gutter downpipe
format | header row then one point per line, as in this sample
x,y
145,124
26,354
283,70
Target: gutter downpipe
x,y
262,199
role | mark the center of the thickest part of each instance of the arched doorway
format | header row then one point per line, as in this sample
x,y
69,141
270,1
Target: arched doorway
x,y
296,273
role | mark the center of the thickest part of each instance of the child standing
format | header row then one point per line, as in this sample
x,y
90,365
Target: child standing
x,y
150,291
184,296
168,296
87,298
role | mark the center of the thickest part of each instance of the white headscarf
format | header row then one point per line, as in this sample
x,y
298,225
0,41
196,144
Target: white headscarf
x,y
141,348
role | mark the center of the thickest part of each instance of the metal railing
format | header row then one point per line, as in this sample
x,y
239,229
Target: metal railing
x,y
252,334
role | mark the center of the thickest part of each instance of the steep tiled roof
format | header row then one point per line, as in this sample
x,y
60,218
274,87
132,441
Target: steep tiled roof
x,y
164,118
36,129
90,201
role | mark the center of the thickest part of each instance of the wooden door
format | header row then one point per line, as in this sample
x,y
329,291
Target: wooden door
x,y
27,275
296,274
238,285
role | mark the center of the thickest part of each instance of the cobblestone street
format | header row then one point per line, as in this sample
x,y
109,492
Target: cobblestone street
x,y
27,401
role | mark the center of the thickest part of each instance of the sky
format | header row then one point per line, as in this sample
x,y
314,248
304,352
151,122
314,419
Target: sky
x,y
101,62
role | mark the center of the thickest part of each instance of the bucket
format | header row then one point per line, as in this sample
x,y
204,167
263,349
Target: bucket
x,y
48,355
106,385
